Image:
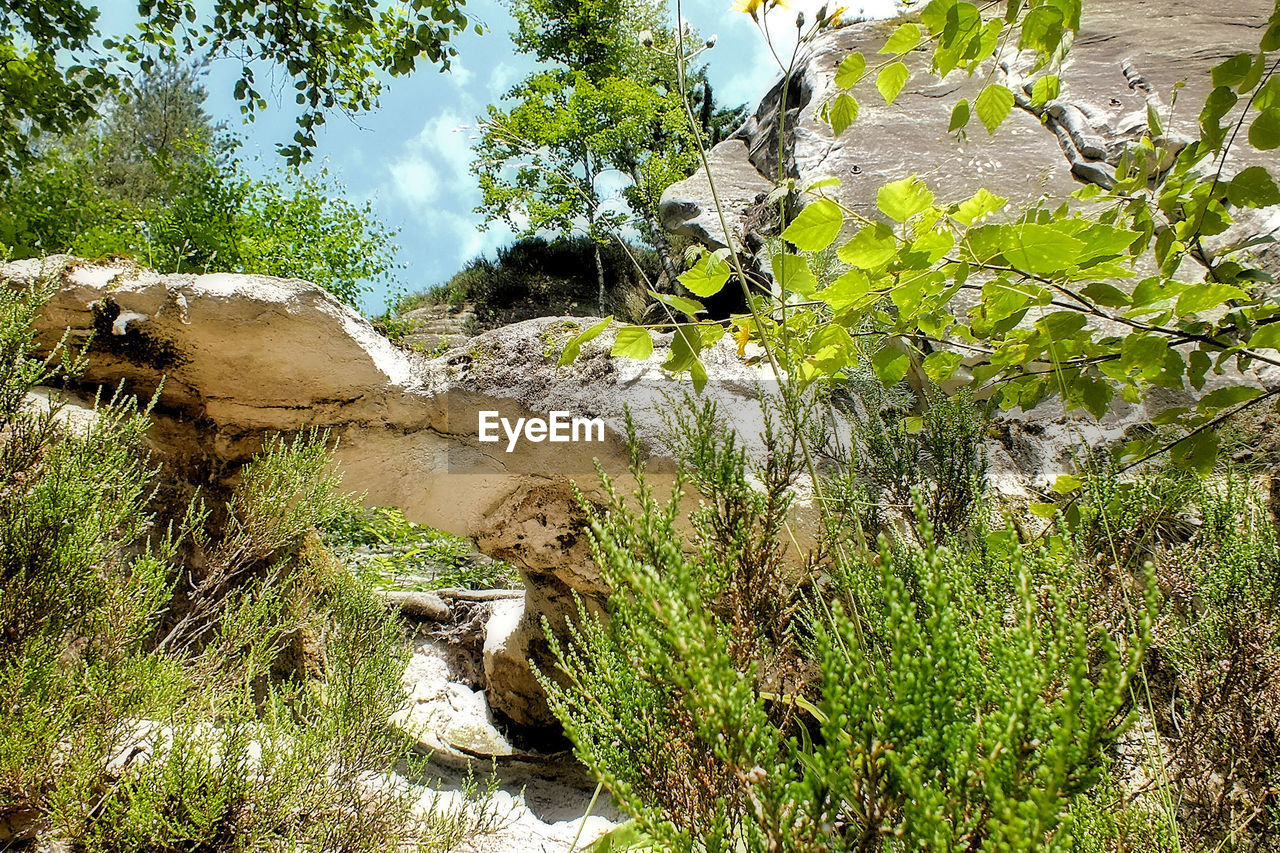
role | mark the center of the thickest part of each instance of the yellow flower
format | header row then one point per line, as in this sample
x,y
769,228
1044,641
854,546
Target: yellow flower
x,y
754,7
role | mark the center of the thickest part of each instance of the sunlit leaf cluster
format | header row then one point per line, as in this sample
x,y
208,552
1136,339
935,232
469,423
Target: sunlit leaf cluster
x,y
1097,301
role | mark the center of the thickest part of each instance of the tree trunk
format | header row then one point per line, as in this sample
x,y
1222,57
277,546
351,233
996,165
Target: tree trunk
x,y
600,275
663,244
661,241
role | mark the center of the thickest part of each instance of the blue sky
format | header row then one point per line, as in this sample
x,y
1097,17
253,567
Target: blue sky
x,y
411,156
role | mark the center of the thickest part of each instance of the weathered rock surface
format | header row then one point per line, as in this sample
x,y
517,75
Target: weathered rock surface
x,y
433,328
236,358
449,718
740,187
1127,52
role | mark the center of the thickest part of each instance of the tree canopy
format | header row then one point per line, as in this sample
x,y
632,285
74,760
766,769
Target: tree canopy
x,y
606,100
55,71
157,180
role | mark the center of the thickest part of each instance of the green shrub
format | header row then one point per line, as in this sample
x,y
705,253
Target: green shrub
x,y
1216,672
922,706
938,454
535,277
388,550
1211,680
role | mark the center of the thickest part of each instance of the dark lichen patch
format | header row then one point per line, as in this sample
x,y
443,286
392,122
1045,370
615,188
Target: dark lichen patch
x,y
136,344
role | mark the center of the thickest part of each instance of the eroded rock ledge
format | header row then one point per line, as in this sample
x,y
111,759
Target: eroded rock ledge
x,y
236,358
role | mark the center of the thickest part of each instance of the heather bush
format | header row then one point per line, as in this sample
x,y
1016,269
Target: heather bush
x,y
914,696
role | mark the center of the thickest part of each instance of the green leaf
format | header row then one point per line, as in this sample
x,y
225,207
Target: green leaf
x,y
1267,337
933,245
574,348
822,183
1269,95
1225,398
712,332
1001,299
1061,325
939,366
959,116
891,79
698,375
851,70
850,291
1039,249
1105,241
633,342
680,303
1088,192
1231,72
793,274
871,248
1067,483
707,277
993,106
1271,38
686,343
1202,297
816,226
1154,125
981,205
1046,89
901,200
1217,105
1093,393
890,364
1042,29
1198,452
934,15
959,27
1264,133
1106,295
904,39
1253,187
842,112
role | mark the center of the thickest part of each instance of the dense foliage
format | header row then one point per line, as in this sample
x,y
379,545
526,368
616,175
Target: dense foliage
x,y
56,70
901,693
912,696
158,181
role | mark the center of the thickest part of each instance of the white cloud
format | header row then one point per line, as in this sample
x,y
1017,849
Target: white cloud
x,y
414,181
460,73
434,162
501,78
450,138
431,181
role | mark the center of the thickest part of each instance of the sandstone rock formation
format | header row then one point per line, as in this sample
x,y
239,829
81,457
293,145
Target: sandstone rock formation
x,y
235,358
